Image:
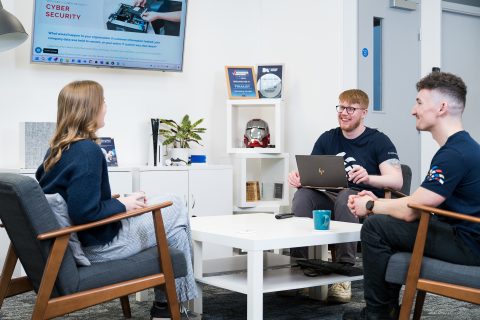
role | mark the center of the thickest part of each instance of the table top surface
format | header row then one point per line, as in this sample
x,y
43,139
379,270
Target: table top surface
x,y
261,231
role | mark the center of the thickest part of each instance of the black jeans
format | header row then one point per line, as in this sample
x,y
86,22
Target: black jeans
x,y
382,236
306,200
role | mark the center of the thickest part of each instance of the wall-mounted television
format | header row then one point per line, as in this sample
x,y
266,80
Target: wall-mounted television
x,y
140,34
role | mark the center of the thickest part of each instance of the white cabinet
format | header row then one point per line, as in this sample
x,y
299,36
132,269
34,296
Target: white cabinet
x,y
121,180
211,194
206,189
162,180
210,190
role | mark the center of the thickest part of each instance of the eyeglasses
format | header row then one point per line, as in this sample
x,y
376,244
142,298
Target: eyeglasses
x,y
350,110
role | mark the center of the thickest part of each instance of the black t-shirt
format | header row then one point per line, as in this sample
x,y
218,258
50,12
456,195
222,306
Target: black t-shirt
x,y
455,174
368,150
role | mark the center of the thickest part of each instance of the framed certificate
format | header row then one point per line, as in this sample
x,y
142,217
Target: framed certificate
x,y
241,82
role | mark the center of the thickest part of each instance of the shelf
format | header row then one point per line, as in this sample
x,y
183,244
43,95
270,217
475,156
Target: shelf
x,y
239,112
267,170
280,277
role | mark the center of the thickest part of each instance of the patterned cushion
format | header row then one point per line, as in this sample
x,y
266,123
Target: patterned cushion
x,y
60,209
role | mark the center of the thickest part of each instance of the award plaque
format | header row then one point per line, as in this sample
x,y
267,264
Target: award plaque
x,y
241,82
270,81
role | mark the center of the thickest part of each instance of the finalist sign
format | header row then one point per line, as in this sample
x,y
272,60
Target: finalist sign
x,y
241,82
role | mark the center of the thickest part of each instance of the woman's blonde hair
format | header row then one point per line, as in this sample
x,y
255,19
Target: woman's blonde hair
x,y
79,104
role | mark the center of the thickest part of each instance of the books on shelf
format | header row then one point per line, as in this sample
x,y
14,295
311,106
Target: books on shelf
x,y
107,145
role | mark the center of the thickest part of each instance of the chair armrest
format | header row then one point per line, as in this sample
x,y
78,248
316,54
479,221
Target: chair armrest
x,y
445,213
390,192
114,218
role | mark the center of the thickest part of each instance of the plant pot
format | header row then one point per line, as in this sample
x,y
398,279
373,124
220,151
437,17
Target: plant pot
x,y
179,156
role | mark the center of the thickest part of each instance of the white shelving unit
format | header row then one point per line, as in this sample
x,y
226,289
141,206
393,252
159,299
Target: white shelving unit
x,y
239,112
267,166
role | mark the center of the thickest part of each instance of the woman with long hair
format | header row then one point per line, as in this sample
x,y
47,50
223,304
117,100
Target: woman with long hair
x,y
76,169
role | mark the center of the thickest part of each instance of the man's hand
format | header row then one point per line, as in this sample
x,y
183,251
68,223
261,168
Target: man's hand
x,y
139,3
294,179
135,201
356,203
358,175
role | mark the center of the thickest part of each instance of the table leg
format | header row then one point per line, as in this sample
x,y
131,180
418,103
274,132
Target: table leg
x,y
255,285
320,292
198,273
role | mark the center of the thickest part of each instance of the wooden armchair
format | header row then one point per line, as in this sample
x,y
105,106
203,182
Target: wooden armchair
x,y
432,275
61,285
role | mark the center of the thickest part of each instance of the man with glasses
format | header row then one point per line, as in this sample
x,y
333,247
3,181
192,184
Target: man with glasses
x,y
371,163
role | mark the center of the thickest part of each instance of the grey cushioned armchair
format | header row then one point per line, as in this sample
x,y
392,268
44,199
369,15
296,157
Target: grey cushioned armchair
x,y
62,286
423,274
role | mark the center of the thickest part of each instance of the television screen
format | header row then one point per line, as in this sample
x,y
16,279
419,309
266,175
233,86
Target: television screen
x,y
142,34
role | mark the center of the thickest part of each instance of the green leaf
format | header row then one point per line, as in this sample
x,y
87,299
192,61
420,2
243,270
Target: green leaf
x,y
181,134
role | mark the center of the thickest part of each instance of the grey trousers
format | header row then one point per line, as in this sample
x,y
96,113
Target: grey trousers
x,y
138,234
306,200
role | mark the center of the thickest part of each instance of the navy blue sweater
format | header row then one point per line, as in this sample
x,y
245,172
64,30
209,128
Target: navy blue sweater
x,y
81,178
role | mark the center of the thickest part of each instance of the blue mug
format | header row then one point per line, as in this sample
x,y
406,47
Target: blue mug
x,y
321,219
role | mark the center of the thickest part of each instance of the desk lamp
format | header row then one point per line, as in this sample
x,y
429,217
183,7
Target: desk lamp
x,y
12,32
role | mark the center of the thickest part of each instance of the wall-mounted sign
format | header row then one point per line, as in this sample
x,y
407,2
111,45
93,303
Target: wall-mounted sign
x,y
365,52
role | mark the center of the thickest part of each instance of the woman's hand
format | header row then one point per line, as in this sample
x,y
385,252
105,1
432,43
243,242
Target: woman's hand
x,y
134,201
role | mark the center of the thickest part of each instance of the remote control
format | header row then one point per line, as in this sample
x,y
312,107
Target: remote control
x,y
283,215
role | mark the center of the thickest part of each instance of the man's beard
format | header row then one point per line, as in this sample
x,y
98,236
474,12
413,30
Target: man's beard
x,y
351,126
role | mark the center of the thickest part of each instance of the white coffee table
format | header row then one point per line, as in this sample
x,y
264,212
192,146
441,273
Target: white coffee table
x,y
257,272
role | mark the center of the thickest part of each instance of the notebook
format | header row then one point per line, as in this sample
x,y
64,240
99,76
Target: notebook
x,y
321,171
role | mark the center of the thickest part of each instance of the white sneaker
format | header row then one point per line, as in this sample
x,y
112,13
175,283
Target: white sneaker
x,y
340,292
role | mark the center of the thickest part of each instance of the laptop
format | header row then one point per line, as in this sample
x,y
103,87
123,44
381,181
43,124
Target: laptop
x,y
321,171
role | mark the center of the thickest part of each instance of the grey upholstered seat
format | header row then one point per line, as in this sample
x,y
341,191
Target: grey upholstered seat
x,y
422,274
433,269
25,214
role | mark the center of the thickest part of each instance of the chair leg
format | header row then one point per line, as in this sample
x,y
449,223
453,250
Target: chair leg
x,y
7,272
417,312
127,313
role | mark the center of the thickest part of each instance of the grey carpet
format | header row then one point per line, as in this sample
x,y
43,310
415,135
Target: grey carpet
x,y
221,304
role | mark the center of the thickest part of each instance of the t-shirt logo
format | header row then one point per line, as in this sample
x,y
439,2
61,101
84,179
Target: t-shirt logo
x,y
348,162
435,174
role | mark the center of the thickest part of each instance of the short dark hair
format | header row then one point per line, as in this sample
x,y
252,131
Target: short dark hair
x,y
446,83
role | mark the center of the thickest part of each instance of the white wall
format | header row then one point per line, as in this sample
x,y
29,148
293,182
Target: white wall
x,y
305,37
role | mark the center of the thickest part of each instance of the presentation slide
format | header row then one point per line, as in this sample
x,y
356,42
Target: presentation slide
x,y
112,33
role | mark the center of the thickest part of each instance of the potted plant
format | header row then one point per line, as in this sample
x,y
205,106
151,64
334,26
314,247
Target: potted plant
x,y
179,136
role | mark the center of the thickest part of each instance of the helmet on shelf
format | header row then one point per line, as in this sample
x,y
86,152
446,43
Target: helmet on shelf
x,y
256,134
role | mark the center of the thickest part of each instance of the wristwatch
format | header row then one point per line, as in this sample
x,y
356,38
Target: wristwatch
x,y
369,206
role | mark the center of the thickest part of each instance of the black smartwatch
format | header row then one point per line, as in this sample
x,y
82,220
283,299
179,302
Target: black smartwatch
x,y
369,206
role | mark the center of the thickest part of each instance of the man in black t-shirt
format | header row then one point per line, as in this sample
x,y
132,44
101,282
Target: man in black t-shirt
x,y
452,183
371,163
